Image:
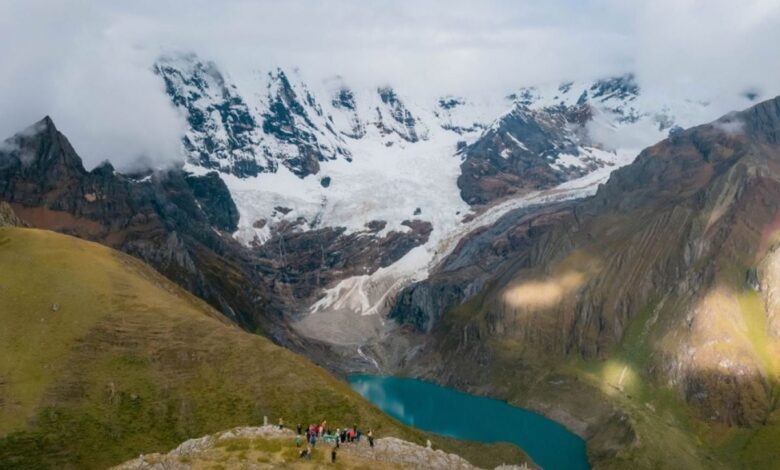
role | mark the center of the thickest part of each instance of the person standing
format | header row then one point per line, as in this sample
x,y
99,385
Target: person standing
x,y
281,423
370,438
300,429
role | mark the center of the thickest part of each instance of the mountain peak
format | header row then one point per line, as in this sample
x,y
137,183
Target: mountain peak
x,y
622,87
43,126
47,122
42,144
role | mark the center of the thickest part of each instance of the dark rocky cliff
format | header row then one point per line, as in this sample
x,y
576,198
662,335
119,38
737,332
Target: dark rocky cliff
x,y
182,225
518,153
167,218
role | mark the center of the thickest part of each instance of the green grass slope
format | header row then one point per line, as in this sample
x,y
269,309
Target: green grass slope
x,y
102,358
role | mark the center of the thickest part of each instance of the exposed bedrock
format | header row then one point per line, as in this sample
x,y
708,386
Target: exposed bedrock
x,y
663,255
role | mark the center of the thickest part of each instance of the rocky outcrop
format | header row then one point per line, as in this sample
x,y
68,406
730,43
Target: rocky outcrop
x,y
8,217
183,456
768,279
390,452
344,100
521,152
289,118
302,262
234,135
393,117
214,199
409,455
222,129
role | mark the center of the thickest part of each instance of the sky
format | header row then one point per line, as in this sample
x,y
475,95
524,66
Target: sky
x,y
87,64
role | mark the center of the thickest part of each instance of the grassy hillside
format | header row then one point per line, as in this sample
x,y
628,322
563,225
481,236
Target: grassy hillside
x,y
656,428
102,358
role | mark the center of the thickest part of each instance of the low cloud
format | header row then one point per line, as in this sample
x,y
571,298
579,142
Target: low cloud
x,y
87,63
730,125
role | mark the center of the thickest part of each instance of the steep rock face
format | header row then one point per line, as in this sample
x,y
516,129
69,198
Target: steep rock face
x,y
223,133
664,248
8,217
769,278
344,100
214,198
519,153
229,133
476,261
170,219
303,262
290,117
394,117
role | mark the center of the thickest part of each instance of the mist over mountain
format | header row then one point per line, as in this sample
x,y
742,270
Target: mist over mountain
x,y
567,207
88,64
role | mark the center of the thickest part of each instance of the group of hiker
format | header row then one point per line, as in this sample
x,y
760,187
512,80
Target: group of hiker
x,y
321,431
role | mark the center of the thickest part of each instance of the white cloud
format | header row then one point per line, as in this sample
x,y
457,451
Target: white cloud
x,y
87,64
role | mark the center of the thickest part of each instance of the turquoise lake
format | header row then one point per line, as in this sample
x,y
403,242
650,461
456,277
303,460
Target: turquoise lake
x,y
452,413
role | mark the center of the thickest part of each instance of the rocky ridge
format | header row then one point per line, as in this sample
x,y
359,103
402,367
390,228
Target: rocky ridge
x,y
388,452
663,279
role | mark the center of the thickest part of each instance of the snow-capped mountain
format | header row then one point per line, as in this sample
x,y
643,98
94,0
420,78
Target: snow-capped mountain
x,y
223,133
345,145
302,156
555,134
